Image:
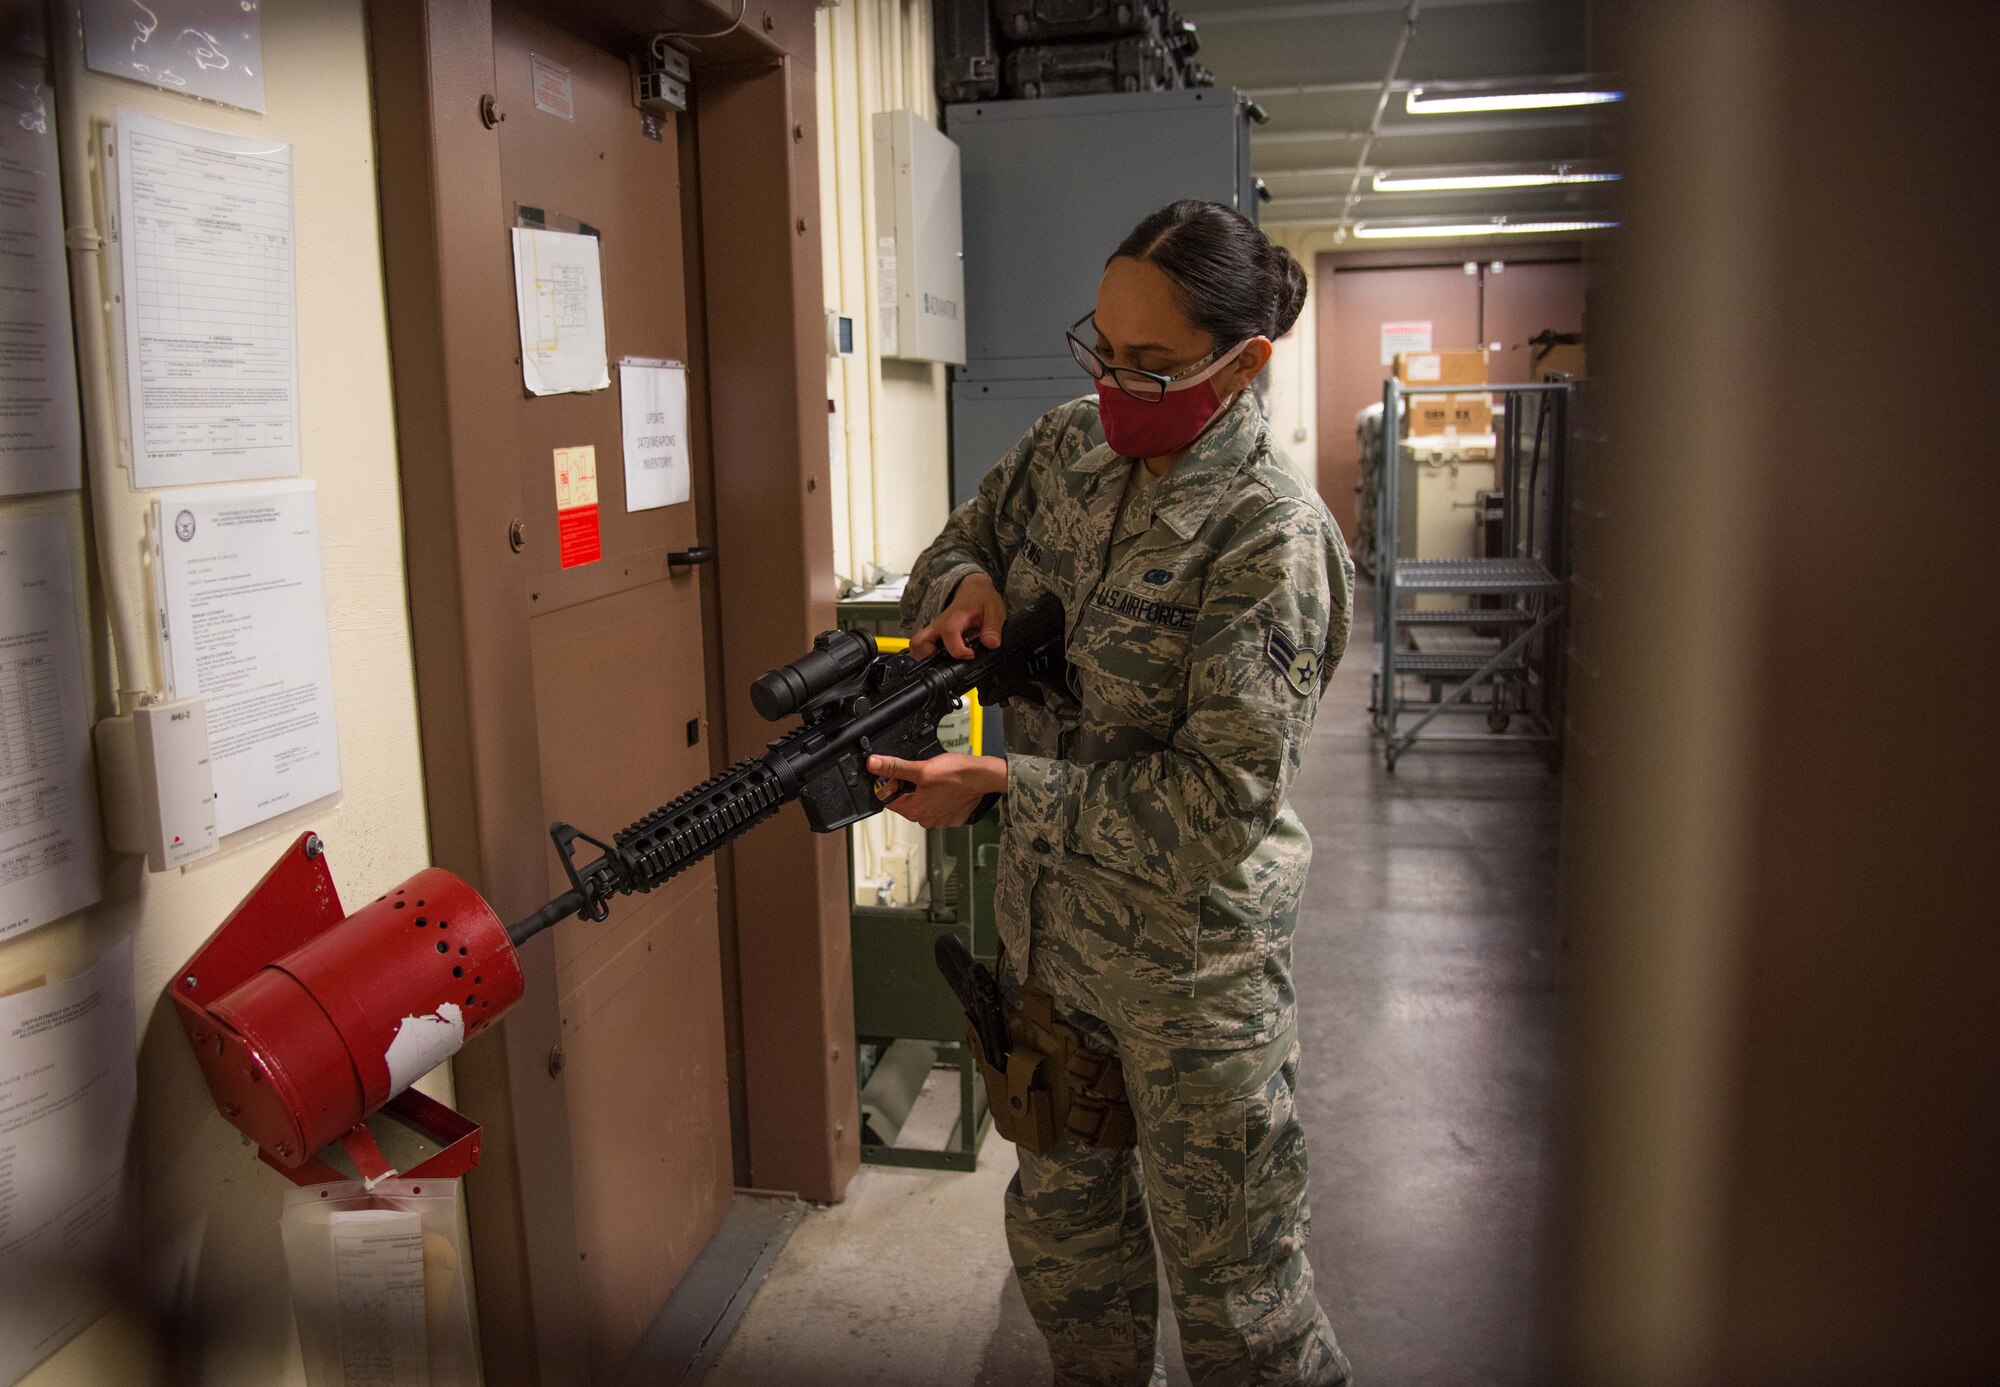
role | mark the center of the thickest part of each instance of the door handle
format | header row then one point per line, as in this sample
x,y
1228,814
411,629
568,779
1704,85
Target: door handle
x,y
688,558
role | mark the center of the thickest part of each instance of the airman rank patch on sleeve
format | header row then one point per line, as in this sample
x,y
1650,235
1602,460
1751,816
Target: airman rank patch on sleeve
x,y
1298,668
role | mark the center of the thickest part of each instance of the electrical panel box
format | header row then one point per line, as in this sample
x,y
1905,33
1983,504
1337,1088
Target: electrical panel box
x,y
920,241
1044,208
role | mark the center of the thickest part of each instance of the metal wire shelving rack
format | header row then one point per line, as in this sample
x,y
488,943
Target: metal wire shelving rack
x,y
1516,599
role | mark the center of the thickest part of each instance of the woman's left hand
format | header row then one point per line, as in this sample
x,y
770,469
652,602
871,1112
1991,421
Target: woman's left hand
x,y
944,790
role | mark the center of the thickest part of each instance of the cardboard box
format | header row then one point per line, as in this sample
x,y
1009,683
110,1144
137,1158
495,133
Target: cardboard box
x,y
1466,367
1565,359
1472,413
1429,414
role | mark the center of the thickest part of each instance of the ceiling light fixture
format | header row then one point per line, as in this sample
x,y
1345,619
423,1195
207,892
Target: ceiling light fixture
x,y
1383,231
1439,101
1446,179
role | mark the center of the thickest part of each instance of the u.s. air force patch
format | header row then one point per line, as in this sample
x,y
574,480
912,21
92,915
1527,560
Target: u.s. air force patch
x,y
1299,668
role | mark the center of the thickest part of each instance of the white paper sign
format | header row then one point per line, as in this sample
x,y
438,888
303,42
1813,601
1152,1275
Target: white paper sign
x,y
211,359
243,616
1404,337
652,397
67,1084
213,49
40,445
48,798
378,1281
559,294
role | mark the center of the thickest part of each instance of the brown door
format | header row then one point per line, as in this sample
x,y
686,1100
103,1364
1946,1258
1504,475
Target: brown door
x,y
620,695
1499,310
1526,298
1353,306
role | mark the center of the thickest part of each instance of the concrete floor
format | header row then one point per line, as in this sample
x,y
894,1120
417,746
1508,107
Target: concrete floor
x,y
1426,965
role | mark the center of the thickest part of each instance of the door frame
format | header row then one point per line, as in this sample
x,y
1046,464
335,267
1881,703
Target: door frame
x,y
759,379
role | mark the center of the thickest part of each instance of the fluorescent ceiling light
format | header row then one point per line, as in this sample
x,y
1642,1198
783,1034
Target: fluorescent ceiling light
x,y
1444,102
1445,179
1383,231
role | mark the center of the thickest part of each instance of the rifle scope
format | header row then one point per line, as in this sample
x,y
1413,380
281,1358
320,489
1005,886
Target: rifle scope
x,y
835,657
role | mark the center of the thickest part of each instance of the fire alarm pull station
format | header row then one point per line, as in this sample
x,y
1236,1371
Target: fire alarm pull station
x,y
308,1020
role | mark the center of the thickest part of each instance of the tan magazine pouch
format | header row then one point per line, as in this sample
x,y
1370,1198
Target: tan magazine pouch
x,y
1054,1085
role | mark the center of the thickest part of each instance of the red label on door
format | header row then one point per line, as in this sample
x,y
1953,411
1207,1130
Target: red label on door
x,y
577,539
576,536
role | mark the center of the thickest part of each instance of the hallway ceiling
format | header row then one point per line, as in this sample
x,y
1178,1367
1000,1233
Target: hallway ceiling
x,y
1318,67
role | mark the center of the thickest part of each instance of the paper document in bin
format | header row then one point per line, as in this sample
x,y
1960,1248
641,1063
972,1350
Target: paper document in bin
x,y
378,1272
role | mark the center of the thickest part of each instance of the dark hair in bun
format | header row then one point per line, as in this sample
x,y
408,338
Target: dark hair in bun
x,y
1228,277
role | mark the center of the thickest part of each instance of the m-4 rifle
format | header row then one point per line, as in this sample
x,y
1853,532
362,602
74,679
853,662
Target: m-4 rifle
x,y
854,702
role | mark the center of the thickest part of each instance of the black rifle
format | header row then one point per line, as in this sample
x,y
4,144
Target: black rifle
x,y
855,702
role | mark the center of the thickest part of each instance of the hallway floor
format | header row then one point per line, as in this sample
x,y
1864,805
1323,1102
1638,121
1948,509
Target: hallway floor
x,y
1426,966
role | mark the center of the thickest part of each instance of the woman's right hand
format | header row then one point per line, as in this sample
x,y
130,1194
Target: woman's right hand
x,y
977,612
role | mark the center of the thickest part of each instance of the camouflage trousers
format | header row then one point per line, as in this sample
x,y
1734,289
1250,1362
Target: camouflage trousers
x,y
1219,1178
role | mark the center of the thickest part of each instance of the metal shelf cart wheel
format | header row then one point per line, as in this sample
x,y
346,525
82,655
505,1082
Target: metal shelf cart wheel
x,y
1512,673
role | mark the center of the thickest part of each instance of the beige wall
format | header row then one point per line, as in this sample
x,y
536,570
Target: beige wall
x,y
209,1209
891,489
1294,357
892,486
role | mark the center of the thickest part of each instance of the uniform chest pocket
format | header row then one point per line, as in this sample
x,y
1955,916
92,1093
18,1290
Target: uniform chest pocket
x,y
1132,645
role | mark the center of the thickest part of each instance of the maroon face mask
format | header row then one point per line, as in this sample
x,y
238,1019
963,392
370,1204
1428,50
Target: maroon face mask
x,y
1138,428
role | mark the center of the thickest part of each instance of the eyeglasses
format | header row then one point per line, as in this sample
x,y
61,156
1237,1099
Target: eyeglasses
x,y
1149,386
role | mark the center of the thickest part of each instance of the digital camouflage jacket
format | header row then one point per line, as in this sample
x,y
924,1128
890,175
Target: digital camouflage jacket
x,y
1150,866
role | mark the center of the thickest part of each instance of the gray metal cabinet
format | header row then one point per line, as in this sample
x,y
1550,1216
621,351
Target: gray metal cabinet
x,y
1050,187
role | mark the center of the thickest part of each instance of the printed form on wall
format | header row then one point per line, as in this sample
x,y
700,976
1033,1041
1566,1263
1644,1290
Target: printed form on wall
x,y
243,618
40,442
67,1083
211,340
559,295
49,859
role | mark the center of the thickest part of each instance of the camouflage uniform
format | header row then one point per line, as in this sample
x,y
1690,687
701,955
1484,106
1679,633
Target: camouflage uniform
x,y
1150,875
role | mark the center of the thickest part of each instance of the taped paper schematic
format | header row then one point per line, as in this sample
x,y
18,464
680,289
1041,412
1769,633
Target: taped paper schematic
x,y
211,342
243,623
49,857
67,1083
559,295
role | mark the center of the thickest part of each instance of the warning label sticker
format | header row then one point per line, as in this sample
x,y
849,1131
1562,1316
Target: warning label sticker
x,y
577,537
554,91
